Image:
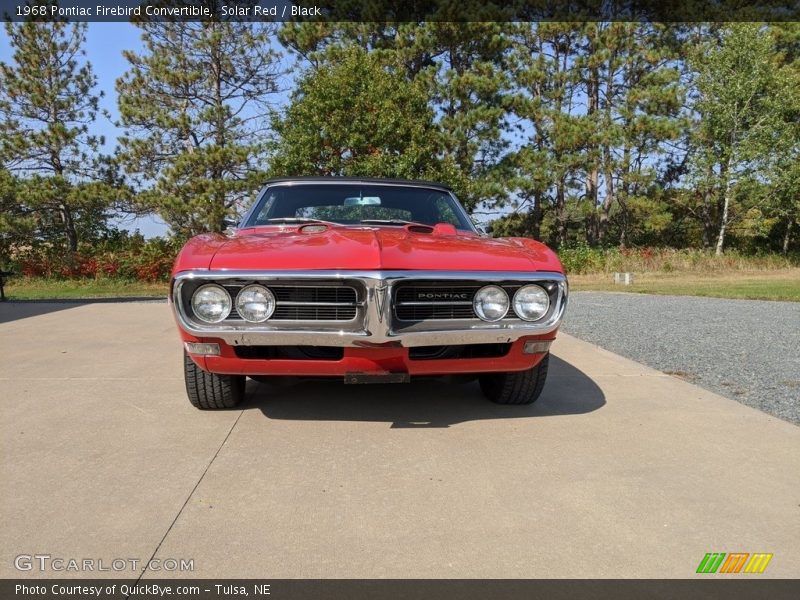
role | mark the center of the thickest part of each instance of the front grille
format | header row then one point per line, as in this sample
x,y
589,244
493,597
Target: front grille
x,y
306,303
423,313
313,313
341,294
420,302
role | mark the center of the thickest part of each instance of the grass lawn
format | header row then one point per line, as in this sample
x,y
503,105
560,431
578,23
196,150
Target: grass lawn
x,y
778,284
24,288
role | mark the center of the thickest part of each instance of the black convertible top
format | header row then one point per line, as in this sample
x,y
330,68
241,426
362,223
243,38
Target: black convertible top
x,y
366,180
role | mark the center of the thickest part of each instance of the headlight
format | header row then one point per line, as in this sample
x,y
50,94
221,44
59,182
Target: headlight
x,y
255,303
211,303
531,302
491,303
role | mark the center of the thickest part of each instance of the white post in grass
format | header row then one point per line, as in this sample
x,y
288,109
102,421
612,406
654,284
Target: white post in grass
x,y
623,278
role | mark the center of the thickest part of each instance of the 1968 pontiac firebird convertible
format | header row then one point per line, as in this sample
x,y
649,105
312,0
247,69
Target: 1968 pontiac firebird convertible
x,y
368,281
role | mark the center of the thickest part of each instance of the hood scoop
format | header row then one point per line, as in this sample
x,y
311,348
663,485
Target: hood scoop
x,y
313,228
440,229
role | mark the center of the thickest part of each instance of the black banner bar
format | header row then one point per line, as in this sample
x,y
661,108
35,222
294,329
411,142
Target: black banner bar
x,y
402,10
710,588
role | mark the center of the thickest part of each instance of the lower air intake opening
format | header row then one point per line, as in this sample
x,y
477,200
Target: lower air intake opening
x,y
460,351
289,352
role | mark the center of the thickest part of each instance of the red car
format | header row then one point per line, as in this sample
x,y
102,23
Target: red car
x,y
365,280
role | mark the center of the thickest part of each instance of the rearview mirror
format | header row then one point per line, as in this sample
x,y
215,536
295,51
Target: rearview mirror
x,y
363,201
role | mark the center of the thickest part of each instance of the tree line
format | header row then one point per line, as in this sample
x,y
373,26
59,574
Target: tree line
x,y
604,134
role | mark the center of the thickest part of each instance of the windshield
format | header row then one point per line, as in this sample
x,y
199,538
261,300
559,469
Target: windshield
x,y
356,204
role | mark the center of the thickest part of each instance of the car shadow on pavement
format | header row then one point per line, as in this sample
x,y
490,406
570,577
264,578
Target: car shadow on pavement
x,y
422,403
14,310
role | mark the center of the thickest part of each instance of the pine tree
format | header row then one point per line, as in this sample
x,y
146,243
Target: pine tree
x,y
195,105
47,104
553,135
468,86
634,100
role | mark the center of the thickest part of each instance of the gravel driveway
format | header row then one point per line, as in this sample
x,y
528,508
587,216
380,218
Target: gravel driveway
x,y
748,350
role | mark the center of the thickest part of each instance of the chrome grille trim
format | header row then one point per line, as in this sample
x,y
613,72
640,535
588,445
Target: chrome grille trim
x,y
316,303
374,324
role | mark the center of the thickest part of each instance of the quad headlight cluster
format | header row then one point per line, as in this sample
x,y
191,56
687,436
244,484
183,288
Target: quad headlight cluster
x,y
212,303
530,303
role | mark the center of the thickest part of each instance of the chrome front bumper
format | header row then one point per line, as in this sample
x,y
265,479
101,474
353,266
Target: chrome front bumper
x,y
374,325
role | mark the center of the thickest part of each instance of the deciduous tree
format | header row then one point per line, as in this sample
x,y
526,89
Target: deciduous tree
x,y
358,117
739,104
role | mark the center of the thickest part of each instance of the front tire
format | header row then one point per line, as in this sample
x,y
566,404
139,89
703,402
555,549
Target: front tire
x,y
209,391
517,387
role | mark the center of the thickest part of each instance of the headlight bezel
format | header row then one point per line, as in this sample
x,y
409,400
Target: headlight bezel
x,y
477,305
520,314
269,294
226,307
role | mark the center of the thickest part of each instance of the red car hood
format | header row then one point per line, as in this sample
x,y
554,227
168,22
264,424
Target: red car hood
x,y
379,248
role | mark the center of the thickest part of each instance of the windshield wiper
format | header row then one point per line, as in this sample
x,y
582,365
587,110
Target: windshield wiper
x,y
393,222
298,220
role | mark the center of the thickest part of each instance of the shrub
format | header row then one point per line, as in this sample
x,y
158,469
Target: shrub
x,y
131,257
582,259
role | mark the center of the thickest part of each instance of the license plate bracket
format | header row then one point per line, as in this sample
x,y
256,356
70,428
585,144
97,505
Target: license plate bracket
x,y
367,378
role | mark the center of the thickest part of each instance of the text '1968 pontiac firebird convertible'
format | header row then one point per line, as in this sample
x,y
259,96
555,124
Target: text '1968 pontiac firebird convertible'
x,y
369,281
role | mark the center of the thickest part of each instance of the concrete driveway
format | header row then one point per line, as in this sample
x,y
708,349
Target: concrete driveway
x,y
618,470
